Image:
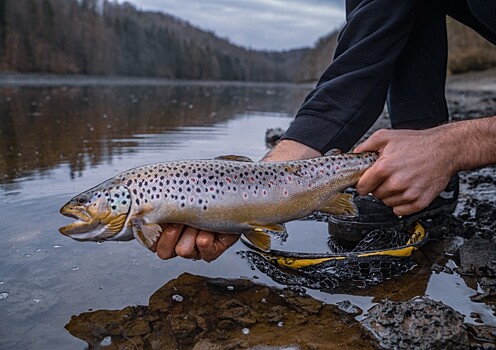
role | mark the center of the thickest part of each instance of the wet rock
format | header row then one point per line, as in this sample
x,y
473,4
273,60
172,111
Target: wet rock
x,y
272,136
478,259
478,254
483,333
212,316
349,308
419,323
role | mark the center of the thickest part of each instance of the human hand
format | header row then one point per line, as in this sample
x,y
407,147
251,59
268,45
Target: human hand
x,y
191,243
412,169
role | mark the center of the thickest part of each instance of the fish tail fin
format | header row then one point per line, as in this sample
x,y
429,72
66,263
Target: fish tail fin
x,y
341,204
259,239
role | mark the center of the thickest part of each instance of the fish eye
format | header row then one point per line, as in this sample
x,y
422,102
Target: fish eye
x,y
81,200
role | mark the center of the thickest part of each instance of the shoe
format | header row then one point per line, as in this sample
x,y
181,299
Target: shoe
x,y
374,214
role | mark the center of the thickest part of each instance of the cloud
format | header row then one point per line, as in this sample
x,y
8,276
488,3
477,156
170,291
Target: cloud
x,y
258,24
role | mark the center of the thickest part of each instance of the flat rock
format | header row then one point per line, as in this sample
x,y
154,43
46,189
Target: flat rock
x,y
193,312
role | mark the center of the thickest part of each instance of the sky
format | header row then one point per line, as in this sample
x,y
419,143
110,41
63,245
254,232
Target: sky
x,y
257,24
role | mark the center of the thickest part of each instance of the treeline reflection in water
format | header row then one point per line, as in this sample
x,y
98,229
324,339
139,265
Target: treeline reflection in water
x,y
42,127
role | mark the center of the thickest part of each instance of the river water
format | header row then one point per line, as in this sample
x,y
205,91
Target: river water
x,y
60,137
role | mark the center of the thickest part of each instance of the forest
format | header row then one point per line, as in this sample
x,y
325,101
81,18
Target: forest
x,y
101,37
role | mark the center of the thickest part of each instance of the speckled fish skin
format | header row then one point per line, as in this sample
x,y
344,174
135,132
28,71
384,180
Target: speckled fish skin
x,y
215,195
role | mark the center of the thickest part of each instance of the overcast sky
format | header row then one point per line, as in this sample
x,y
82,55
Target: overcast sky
x,y
257,24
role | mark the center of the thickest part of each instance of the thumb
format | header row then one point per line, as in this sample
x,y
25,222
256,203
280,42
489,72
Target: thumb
x,y
373,143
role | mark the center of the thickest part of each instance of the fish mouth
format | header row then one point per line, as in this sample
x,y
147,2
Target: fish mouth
x,y
83,224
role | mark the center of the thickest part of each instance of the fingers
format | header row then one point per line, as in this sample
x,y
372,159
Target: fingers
x,y
374,143
191,243
372,178
186,246
167,241
212,245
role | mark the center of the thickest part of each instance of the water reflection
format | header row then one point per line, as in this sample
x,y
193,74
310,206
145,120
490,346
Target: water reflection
x,y
41,128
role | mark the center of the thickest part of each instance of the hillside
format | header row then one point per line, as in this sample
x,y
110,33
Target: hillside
x,y
102,37
105,38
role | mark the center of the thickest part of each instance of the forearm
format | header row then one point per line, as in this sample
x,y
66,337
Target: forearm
x,y
470,143
290,150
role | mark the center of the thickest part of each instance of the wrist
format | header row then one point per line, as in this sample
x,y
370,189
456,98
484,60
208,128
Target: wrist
x,y
290,150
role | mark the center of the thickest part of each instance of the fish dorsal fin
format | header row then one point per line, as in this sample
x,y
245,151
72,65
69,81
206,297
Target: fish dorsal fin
x,y
341,204
145,233
235,158
333,152
259,239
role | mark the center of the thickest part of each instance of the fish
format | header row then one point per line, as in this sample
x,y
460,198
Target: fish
x,y
227,194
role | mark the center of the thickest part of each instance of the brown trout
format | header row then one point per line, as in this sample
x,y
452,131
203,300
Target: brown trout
x,y
226,194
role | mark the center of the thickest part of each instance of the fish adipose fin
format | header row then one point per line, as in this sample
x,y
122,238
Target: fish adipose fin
x,y
235,158
341,204
145,233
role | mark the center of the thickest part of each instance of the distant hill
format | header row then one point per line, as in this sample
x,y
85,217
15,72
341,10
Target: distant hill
x,y
105,38
100,37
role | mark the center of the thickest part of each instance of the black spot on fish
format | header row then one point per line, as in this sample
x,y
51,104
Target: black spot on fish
x,y
204,207
198,189
114,207
130,182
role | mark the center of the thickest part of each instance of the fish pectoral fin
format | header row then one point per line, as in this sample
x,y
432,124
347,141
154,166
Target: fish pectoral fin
x,y
259,239
341,204
145,233
235,158
115,226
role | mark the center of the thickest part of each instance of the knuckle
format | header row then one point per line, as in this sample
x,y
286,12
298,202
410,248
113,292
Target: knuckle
x,y
203,242
381,169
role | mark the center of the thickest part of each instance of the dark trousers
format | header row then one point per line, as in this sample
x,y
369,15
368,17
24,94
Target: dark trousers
x,y
389,50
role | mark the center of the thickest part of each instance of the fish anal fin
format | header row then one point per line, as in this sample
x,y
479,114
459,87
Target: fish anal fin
x,y
145,233
235,158
341,204
259,239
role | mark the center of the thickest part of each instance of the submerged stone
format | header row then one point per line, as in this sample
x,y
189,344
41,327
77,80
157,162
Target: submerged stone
x,y
419,323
